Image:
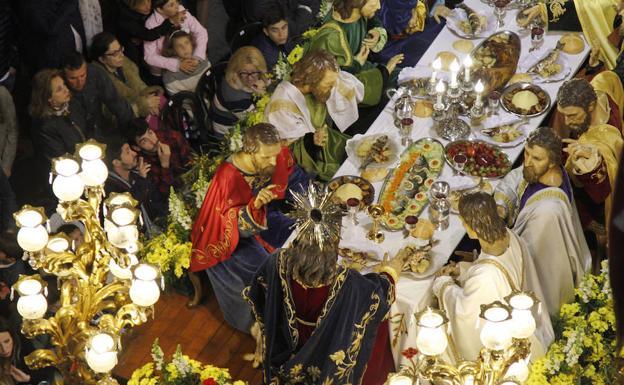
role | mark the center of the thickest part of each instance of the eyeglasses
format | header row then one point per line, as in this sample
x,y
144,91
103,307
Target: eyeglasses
x,y
116,52
251,75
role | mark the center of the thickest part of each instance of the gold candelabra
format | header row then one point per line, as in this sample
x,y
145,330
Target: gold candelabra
x,y
103,288
503,360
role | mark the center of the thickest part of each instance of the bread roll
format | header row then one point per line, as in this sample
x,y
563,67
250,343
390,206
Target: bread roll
x,y
423,109
463,46
520,78
525,99
572,44
348,191
374,174
424,229
447,58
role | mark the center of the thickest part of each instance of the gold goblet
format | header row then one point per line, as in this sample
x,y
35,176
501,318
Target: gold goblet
x,y
375,234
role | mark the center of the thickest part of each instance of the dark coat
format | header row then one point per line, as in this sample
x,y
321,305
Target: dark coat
x,y
58,135
301,13
46,31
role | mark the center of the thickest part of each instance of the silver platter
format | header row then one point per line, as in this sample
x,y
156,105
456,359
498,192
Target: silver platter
x,y
453,129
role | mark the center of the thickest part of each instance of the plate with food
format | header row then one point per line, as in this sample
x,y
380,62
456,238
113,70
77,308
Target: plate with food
x,y
522,17
504,135
467,23
346,187
481,159
495,59
405,190
572,43
374,151
525,99
550,67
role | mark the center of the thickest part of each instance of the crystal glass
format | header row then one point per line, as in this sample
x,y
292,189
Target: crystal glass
x,y
354,206
500,10
410,224
460,162
537,37
494,102
439,211
406,130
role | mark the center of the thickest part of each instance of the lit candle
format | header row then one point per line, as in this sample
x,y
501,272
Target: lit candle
x,y
467,66
469,380
479,90
437,66
440,91
454,71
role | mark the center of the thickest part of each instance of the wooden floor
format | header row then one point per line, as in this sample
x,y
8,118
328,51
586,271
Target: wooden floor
x,y
202,333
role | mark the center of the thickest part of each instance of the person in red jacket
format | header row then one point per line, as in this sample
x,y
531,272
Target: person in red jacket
x,y
239,222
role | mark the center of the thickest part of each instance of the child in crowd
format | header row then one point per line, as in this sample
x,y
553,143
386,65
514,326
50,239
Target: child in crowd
x,y
181,45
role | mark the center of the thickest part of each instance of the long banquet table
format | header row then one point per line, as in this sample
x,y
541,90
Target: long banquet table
x,y
413,291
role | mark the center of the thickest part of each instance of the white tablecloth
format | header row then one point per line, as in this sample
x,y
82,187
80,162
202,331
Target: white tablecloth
x,y
414,290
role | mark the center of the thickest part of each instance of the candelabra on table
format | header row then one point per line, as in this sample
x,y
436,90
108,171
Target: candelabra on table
x,y
504,359
451,100
95,306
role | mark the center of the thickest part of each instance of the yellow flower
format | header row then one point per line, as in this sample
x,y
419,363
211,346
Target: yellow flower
x,y
295,55
310,33
239,382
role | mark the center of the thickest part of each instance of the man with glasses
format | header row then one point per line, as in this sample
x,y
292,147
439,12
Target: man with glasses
x,y
93,90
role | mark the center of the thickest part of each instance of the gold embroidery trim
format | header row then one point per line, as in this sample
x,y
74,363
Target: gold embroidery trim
x,y
555,193
343,41
218,250
557,8
451,339
260,321
288,300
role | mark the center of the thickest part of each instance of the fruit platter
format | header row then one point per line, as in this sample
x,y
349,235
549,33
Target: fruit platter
x,y
405,189
478,158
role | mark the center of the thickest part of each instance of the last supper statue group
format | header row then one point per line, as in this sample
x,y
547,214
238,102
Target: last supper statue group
x,y
268,237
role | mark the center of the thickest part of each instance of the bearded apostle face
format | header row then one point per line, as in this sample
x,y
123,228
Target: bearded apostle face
x,y
576,119
322,90
536,163
370,8
265,158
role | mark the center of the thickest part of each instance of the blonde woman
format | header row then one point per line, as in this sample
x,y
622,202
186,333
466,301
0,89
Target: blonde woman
x,y
245,76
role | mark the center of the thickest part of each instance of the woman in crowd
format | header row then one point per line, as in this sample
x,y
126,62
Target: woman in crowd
x,y
146,101
245,76
13,369
181,45
59,122
132,32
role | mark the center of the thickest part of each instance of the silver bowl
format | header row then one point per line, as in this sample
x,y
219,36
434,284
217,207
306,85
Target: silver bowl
x,y
525,86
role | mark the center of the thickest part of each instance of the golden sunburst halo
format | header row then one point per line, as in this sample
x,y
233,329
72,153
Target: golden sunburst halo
x,y
317,217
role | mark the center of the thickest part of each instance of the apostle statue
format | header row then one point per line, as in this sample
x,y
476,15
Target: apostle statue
x,y
304,110
591,130
350,33
322,323
239,223
594,18
537,200
503,266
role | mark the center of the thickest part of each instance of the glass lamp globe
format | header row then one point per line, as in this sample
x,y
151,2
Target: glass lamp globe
x,y
144,290
400,380
518,370
67,185
123,215
32,236
495,334
522,320
31,303
431,339
101,353
94,171
58,243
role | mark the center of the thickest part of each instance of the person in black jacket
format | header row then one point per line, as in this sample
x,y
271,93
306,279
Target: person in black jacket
x,y
92,90
8,45
49,30
275,39
131,32
59,121
301,13
128,172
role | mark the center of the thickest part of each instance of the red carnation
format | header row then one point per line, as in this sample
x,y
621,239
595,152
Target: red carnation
x,y
209,381
409,353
